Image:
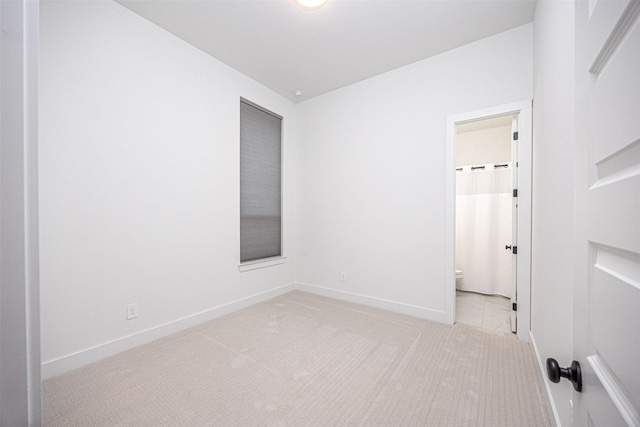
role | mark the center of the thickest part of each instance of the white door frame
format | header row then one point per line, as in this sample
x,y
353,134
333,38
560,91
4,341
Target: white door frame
x,y
20,392
523,108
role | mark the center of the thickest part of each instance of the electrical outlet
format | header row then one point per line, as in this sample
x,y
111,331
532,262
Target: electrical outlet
x,y
132,311
343,277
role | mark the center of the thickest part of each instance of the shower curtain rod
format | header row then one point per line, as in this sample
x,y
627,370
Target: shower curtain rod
x,y
483,167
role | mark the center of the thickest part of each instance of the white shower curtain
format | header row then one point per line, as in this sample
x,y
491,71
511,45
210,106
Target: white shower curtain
x,y
483,228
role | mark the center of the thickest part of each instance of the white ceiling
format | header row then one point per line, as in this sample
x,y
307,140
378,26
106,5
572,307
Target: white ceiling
x,y
285,47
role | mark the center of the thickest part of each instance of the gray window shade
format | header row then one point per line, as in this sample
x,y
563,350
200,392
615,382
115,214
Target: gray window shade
x,y
260,183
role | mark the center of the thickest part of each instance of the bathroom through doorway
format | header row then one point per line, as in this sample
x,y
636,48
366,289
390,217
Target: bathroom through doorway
x,y
489,217
486,215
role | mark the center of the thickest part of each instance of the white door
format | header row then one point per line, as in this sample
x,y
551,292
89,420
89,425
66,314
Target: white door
x,y
607,269
514,222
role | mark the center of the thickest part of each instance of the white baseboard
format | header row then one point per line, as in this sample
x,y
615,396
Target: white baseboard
x,y
81,358
84,357
397,307
549,401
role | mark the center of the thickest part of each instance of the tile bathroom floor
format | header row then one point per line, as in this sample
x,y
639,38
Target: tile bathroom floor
x,y
484,311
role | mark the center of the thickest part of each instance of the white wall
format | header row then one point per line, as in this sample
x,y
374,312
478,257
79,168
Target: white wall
x,y
139,183
371,179
492,145
139,180
553,179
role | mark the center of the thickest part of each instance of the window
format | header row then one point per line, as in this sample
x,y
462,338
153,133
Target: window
x,y
260,183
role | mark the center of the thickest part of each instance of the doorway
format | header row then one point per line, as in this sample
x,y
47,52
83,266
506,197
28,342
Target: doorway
x,y
485,159
520,246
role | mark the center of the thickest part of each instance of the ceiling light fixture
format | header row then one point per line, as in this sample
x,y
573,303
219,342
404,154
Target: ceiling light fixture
x,y
311,4
297,92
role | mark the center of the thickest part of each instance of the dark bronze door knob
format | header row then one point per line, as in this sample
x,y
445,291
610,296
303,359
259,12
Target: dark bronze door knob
x,y
572,373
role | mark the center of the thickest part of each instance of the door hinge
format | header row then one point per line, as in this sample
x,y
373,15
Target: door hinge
x,y
514,306
515,250
515,192
515,136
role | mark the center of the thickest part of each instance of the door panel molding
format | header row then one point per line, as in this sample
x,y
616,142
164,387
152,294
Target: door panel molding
x,y
614,390
616,37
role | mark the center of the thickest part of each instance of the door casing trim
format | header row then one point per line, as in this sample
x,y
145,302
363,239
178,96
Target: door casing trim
x,y
524,169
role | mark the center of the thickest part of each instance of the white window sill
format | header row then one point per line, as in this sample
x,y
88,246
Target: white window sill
x,y
261,263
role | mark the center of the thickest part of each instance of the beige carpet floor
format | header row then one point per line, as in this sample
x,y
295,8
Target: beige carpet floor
x,y
306,360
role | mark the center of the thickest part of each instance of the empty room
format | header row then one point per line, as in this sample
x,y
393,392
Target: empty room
x,y
339,212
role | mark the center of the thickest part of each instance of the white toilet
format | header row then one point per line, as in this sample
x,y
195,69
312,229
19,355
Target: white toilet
x,y
458,277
